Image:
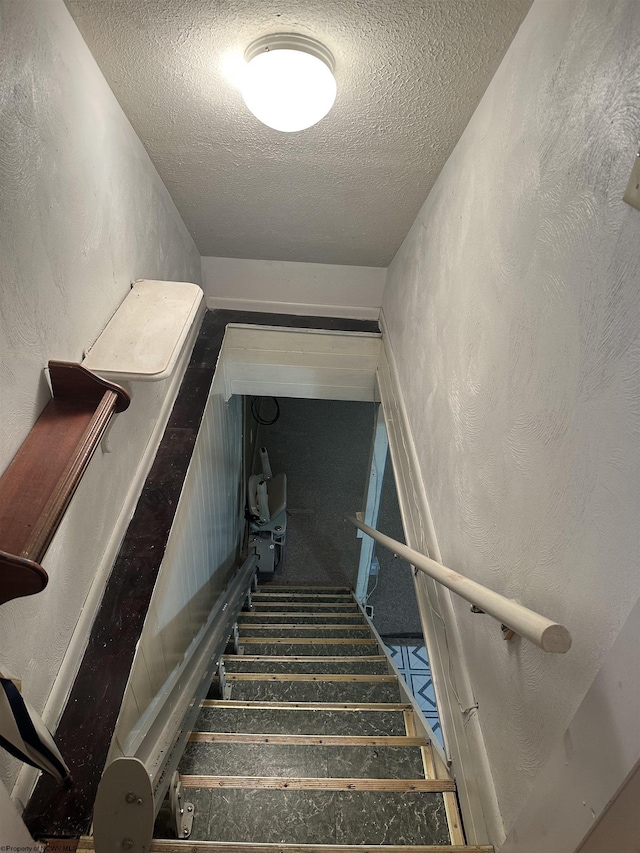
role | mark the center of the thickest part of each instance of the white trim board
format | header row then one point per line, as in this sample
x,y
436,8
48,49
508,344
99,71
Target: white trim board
x,y
373,493
303,363
306,309
463,735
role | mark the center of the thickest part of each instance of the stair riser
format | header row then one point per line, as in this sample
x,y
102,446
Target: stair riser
x,y
318,817
357,633
301,598
305,590
307,607
304,649
318,667
300,722
384,762
309,691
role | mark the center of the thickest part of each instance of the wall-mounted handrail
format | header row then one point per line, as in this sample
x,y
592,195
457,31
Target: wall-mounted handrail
x,y
548,635
36,488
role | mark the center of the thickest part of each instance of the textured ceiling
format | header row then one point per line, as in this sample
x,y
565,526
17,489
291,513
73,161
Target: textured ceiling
x,y
409,72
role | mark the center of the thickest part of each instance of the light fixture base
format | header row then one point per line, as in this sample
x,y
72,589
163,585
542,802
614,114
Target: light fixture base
x,y
291,41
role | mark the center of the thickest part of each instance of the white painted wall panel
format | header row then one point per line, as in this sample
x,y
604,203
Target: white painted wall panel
x,y
292,363
201,551
513,310
291,287
83,213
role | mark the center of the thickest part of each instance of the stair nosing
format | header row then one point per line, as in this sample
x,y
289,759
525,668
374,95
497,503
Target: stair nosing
x,y
351,603
311,740
306,658
261,613
320,641
339,677
284,588
306,626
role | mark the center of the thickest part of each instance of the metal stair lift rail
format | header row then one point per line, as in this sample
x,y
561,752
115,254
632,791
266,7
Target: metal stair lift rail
x,y
546,634
133,786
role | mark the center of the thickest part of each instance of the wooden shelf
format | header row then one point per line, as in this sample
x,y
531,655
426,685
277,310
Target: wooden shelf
x,y
36,488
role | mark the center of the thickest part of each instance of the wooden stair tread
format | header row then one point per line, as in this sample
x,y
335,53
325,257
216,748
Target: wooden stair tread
x,y
320,740
306,658
304,676
351,604
307,783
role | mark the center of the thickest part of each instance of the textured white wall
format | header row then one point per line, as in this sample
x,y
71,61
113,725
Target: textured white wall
x,y
513,310
290,287
82,214
201,552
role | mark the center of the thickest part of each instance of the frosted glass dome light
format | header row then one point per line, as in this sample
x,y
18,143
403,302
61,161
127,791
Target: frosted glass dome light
x,y
288,82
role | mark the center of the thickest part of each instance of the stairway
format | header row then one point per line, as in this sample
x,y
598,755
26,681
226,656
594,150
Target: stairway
x,y
314,743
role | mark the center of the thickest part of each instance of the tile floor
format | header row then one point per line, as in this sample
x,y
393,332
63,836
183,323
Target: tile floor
x,y
414,666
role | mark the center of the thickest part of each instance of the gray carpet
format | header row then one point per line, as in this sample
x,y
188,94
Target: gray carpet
x,y
323,447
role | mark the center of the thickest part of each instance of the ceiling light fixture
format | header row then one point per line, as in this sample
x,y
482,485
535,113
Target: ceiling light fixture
x,y
288,83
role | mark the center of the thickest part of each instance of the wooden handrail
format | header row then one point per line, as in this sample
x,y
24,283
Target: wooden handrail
x,y
36,488
548,635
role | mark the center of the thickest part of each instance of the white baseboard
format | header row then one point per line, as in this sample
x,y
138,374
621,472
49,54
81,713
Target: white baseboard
x,y
461,728
354,312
